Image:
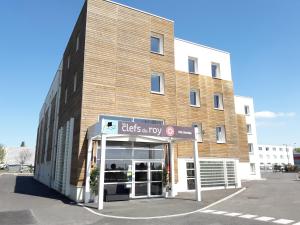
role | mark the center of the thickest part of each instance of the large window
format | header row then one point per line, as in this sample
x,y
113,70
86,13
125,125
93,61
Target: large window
x,y
157,43
218,101
220,134
215,70
195,97
193,65
157,83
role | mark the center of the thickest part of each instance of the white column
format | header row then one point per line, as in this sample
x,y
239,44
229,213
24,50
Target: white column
x,y
197,169
88,171
172,169
101,175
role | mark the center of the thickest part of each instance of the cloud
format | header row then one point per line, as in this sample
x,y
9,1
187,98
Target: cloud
x,y
272,115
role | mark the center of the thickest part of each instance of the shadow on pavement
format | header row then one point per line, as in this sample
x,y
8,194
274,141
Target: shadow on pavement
x,y
28,186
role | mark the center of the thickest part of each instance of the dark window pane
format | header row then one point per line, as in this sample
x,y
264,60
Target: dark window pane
x,y
191,184
190,173
192,67
116,177
141,176
148,145
214,70
155,83
190,165
141,189
156,166
156,188
155,44
111,165
111,189
148,154
118,144
193,98
115,118
216,101
141,166
159,122
156,176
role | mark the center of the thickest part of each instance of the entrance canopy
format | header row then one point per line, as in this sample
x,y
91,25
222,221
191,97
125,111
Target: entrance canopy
x,y
116,130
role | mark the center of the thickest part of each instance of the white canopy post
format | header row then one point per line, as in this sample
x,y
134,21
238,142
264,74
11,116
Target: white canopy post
x,y
88,171
172,169
197,168
101,174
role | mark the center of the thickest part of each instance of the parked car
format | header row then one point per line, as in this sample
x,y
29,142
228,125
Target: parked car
x,y
3,166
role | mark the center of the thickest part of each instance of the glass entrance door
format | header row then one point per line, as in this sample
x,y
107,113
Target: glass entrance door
x,y
147,179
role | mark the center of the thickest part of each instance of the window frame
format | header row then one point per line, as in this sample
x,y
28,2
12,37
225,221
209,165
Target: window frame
x,y
197,91
195,60
199,134
75,82
68,61
218,70
250,148
247,110
249,128
220,101
161,83
77,42
160,37
66,95
223,132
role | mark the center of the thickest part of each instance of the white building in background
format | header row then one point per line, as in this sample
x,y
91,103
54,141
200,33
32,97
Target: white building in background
x,y
269,155
245,106
12,156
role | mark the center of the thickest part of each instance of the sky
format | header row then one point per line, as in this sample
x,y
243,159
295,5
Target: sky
x,y
263,38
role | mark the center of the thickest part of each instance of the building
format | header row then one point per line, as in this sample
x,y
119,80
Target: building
x,y
125,65
270,155
245,106
13,156
297,159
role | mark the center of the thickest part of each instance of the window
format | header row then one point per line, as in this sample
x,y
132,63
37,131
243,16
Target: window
x,y
274,149
195,98
220,134
190,175
261,156
250,147
157,83
275,156
66,95
215,70
259,148
77,42
157,43
218,101
249,129
68,62
252,168
193,65
75,82
267,148
268,156
280,149
247,110
198,132
281,156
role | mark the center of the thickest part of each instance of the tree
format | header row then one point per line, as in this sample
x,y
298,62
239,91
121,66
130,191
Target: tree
x,y
23,144
297,150
24,156
2,153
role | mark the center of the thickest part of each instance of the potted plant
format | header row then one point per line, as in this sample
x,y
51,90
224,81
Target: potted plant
x,y
94,179
165,182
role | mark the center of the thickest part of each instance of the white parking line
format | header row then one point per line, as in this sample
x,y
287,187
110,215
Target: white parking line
x,y
219,212
264,218
283,221
296,223
233,214
208,211
248,216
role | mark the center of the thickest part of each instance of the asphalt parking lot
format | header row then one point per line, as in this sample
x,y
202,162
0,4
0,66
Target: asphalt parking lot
x,y
271,201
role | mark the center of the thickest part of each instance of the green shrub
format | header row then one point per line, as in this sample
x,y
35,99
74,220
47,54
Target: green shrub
x,y
94,179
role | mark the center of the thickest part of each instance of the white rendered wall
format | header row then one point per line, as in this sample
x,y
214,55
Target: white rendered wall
x,y
277,154
204,55
240,103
